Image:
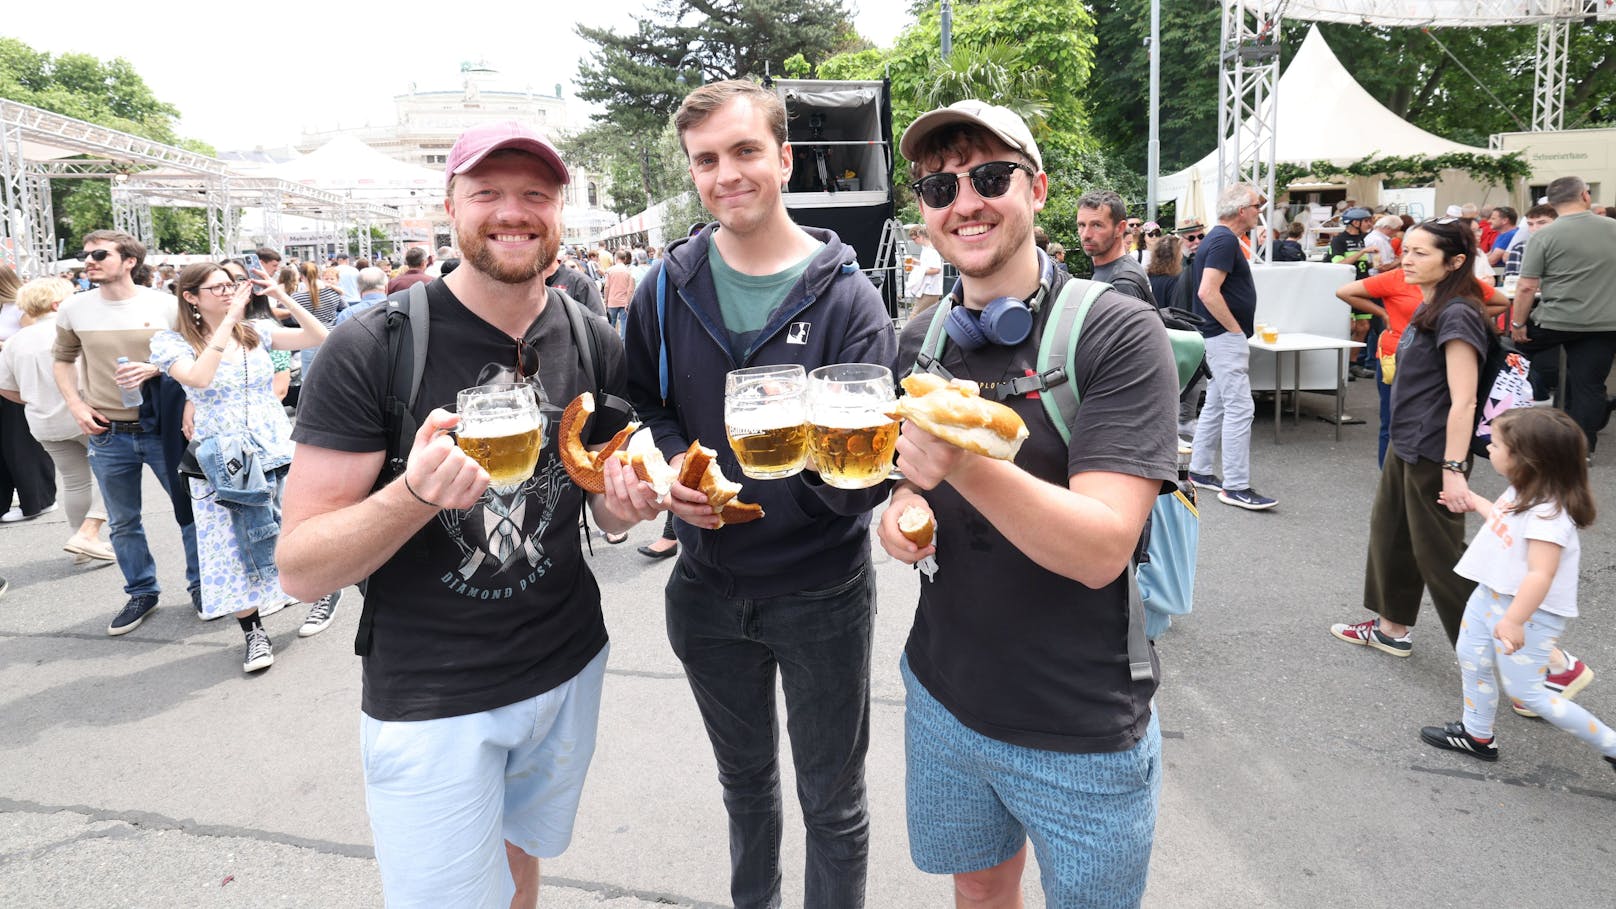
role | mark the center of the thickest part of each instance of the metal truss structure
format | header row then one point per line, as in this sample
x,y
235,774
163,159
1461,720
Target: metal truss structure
x,y
1248,64
37,146
1248,117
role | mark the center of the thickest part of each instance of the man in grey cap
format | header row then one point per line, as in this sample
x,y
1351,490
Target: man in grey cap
x,y
484,659
1018,706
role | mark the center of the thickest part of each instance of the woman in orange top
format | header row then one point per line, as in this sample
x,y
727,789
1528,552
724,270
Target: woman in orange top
x,y
1391,297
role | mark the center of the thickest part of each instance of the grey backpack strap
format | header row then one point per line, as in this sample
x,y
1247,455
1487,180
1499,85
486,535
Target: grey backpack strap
x,y
420,324
1139,667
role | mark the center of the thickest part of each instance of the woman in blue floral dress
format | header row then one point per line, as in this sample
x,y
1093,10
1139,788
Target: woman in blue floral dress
x,y
225,366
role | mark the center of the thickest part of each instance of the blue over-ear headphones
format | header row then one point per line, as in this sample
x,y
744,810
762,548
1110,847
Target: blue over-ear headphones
x,y
1006,321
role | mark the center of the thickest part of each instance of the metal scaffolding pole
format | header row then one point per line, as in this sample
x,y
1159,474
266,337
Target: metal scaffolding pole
x,y
1548,86
1248,115
33,248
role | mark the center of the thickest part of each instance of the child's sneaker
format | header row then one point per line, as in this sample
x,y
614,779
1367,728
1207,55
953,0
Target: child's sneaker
x,y
1567,684
1368,634
1453,737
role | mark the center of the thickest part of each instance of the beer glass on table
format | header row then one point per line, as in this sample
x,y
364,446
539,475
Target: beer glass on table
x,y
502,429
766,419
850,435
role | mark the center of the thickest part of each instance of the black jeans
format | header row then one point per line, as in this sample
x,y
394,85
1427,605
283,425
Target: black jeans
x,y
1589,355
820,642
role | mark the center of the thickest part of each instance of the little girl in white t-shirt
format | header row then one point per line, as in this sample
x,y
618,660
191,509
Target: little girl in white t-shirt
x,y
1524,561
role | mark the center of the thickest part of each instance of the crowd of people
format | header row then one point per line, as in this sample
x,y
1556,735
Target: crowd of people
x,y
483,640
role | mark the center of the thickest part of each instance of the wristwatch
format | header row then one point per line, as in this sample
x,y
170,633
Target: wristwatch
x,y
1517,325
1455,466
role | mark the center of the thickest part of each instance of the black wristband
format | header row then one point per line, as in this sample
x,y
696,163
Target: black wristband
x,y
411,491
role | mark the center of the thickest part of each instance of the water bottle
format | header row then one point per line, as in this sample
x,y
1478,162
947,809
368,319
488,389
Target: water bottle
x,y
131,396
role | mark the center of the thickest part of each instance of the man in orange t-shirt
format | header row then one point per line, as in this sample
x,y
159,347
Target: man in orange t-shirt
x,y
1392,298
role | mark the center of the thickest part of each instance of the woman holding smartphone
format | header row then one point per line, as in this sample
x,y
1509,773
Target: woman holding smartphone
x,y
224,364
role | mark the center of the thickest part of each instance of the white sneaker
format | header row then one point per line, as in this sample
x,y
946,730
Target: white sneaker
x,y
274,606
15,514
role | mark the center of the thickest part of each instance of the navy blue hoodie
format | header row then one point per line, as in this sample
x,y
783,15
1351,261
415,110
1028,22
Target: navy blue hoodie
x,y
812,535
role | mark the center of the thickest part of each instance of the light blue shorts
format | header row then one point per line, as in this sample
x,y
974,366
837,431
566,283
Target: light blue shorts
x,y
445,794
974,801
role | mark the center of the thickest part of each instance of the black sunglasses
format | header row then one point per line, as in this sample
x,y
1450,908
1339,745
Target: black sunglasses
x,y
990,180
1194,236
95,255
527,359
1152,233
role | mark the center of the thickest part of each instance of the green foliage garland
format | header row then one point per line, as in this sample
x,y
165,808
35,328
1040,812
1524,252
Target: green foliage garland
x,y
1501,170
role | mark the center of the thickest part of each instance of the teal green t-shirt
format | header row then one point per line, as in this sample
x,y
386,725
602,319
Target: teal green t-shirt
x,y
746,301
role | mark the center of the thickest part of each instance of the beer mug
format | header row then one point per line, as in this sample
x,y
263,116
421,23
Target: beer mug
x,y
502,429
850,436
766,419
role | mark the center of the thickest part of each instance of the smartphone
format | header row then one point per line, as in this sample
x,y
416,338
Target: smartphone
x,y
253,264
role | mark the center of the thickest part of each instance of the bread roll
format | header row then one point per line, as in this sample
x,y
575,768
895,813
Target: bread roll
x,y
955,412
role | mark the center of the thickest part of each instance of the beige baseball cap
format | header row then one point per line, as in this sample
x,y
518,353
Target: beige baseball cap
x,y
1000,121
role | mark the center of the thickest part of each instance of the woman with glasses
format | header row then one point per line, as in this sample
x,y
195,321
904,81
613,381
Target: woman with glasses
x,y
223,362
266,303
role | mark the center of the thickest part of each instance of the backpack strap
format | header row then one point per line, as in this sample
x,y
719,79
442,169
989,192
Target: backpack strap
x,y
662,330
930,358
1057,349
591,354
408,323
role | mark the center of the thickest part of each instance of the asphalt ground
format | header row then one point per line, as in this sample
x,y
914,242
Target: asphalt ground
x,y
147,771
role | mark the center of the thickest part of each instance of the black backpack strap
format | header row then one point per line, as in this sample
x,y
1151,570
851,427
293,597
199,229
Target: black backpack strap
x,y
407,323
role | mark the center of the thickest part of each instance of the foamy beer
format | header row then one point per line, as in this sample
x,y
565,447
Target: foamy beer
x,y
850,436
766,419
502,430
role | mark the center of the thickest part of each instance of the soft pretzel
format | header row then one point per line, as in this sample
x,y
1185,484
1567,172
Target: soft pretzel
x,y
699,471
917,525
587,468
955,412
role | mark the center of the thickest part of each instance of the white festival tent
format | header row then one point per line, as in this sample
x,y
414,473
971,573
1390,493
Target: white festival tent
x,y
347,165
1324,115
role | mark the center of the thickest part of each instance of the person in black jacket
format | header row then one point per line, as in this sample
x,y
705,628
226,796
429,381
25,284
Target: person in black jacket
x,y
791,594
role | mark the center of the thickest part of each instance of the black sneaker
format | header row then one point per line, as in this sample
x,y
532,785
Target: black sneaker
x,y
320,613
1206,481
196,602
1453,737
5,585
260,653
1248,498
133,613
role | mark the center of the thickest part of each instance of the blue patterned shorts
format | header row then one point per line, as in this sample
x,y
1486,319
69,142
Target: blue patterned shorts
x,y
973,802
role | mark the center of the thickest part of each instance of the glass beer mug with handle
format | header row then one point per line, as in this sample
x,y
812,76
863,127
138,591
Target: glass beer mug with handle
x,y
502,429
850,436
766,419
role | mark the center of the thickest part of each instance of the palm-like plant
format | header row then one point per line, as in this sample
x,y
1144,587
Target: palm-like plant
x,y
996,72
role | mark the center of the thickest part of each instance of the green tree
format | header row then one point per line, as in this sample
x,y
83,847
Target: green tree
x,y
108,93
642,76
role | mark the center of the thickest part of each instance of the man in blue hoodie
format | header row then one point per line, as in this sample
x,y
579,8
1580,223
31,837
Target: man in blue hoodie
x,y
792,593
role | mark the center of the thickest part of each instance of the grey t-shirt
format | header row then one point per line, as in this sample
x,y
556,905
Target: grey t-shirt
x,y
1576,259
1128,276
1047,666
1420,399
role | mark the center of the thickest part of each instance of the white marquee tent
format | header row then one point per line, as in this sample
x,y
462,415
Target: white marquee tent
x,y
1324,115
347,165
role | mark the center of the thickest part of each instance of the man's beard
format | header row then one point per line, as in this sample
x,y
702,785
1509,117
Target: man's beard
x,y
481,257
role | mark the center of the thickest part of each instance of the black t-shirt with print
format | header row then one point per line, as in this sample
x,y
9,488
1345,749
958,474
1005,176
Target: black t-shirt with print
x,y
1013,650
484,607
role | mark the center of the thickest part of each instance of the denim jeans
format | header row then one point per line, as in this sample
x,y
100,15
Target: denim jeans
x,y
116,459
820,641
1226,418
1385,390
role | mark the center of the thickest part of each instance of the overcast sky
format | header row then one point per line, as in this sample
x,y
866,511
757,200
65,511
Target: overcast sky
x,y
247,74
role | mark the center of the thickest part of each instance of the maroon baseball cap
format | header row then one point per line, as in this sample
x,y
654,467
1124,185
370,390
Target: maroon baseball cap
x,y
479,142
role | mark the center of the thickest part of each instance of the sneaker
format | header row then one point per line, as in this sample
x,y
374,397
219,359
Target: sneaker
x,y
320,613
1453,737
1368,634
15,514
274,606
1361,372
1206,481
1247,498
1185,447
5,585
133,613
260,653
1567,684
